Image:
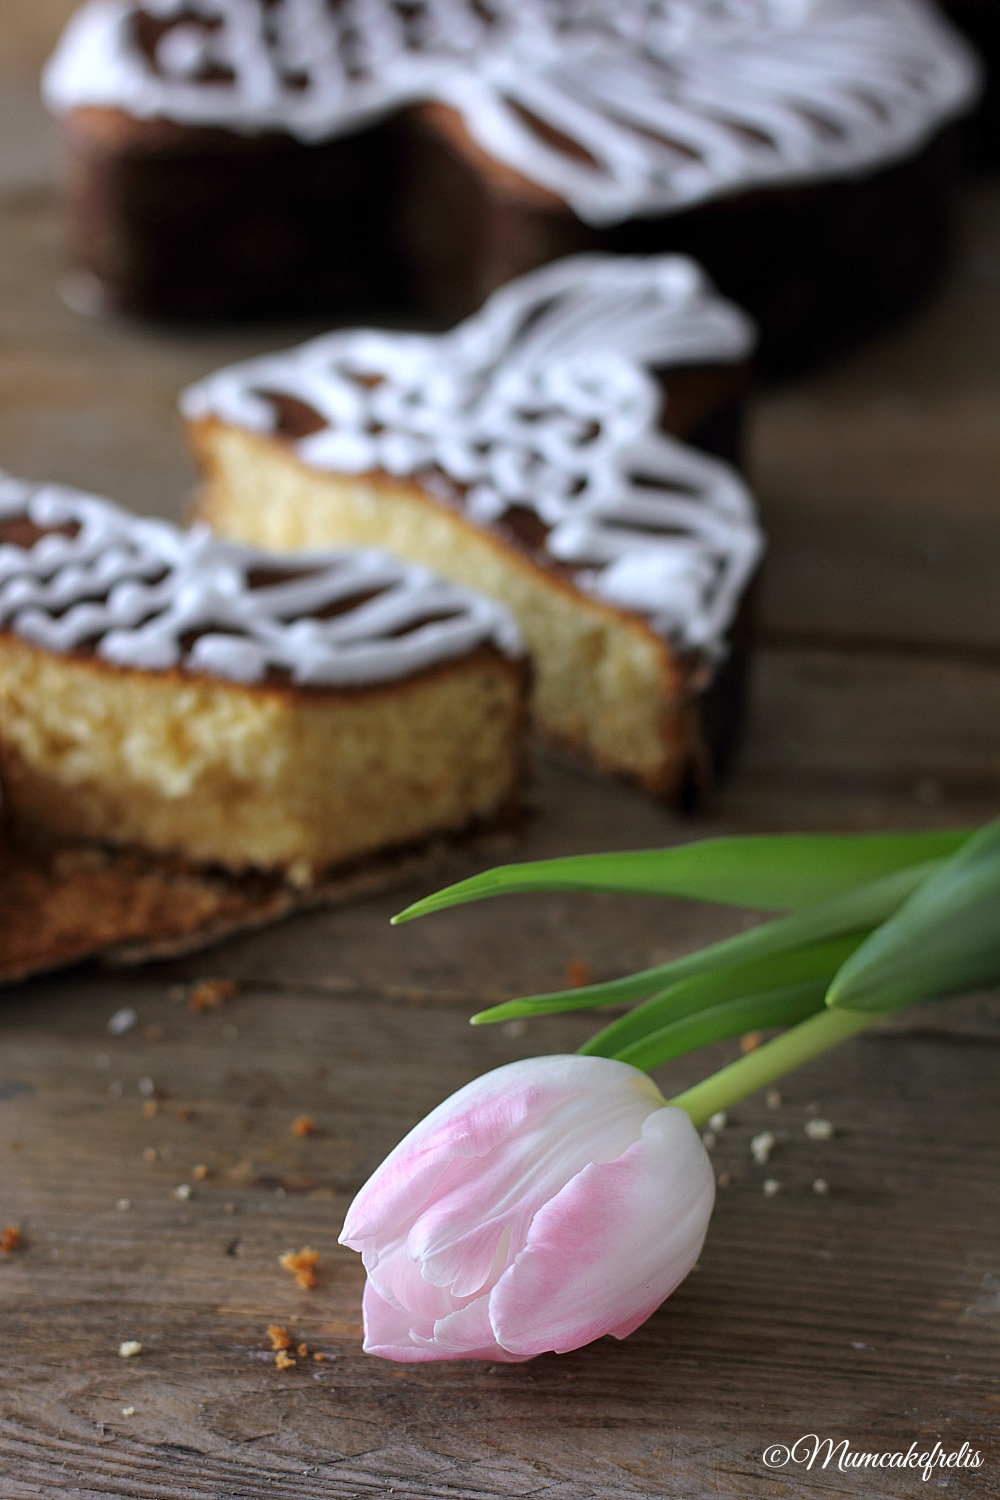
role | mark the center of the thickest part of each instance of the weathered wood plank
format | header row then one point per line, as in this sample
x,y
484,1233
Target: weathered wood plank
x,y
869,1312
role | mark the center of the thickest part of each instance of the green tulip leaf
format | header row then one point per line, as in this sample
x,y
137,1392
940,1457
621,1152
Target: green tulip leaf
x,y
773,872
813,965
779,1007
855,911
944,940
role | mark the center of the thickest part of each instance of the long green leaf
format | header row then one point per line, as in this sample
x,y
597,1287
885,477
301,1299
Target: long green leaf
x,y
780,1007
816,964
944,940
768,872
857,910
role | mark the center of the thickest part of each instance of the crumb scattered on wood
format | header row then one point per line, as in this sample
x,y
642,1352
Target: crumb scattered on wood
x,y
279,1336
200,1172
150,1154
302,1265
11,1239
304,1125
129,1348
577,973
150,1108
762,1145
751,1041
819,1130
208,994
284,1360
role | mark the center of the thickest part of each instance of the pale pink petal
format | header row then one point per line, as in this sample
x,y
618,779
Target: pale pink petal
x,y
495,1110
467,1334
604,1253
387,1331
400,1281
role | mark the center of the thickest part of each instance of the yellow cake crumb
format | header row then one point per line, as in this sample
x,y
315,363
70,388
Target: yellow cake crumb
x,y
302,1265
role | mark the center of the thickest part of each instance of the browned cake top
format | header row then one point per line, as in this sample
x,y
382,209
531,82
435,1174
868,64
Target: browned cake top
x,y
540,416
79,574
619,110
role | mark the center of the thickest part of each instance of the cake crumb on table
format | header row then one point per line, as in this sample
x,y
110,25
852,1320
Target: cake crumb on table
x,y
279,1336
762,1145
129,1348
208,994
11,1239
819,1130
200,1172
751,1041
284,1360
771,1187
302,1265
577,973
304,1125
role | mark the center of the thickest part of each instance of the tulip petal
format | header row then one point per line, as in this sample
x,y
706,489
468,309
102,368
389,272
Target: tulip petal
x,y
608,1249
478,1119
388,1331
468,1334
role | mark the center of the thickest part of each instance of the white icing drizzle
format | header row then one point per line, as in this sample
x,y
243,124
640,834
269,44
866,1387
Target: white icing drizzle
x,y
135,590
672,101
544,400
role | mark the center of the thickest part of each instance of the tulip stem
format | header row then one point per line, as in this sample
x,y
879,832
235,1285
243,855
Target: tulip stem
x,y
795,1046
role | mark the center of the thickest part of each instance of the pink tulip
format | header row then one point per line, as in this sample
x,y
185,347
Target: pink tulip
x,y
544,1205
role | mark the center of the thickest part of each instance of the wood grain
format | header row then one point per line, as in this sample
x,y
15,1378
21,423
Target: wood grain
x,y
870,1313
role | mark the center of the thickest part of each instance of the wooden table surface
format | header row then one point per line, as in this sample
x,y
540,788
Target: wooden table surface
x,y
870,1313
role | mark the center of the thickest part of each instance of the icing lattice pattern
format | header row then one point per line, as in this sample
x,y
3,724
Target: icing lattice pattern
x,y
622,110
142,593
543,401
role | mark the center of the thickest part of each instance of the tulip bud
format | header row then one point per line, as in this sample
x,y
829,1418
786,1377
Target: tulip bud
x,y
544,1205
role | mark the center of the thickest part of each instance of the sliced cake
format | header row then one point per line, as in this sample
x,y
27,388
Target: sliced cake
x,y
168,690
535,453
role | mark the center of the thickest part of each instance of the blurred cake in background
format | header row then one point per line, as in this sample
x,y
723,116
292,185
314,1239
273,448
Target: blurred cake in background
x,y
568,451
261,157
170,692
980,21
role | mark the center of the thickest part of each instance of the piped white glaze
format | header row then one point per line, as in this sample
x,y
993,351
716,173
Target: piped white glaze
x,y
546,400
669,102
135,590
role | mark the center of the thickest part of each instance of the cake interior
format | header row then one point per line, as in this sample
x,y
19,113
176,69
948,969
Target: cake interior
x,y
606,687
263,777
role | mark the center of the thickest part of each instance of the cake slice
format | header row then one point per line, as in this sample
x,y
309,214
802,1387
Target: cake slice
x,y
200,699
534,452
